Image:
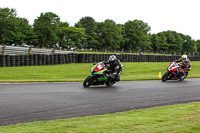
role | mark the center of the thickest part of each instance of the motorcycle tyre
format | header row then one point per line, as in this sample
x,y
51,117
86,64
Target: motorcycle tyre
x,y
109,83
180,79
87,82
164,77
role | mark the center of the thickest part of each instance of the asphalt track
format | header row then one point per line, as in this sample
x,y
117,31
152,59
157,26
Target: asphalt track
x,y
29,102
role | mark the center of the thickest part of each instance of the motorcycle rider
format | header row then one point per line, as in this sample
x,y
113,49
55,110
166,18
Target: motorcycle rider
x,y
115,67
186,65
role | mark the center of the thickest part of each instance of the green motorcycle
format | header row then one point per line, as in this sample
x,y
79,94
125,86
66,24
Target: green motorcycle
x,y
99,76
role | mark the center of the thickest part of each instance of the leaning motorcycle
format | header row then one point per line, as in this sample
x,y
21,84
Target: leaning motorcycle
x,y
99,76
173,72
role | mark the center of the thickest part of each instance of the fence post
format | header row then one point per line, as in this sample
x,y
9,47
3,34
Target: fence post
x,y
53,51
4,50
29,50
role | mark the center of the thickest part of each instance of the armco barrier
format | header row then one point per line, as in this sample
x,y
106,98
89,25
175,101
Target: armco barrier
x,y
53,59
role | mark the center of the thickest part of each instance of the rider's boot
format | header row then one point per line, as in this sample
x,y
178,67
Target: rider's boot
x,y
182,76
117,77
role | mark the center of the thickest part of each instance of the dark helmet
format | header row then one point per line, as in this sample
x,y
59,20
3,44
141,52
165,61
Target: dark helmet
x,y
112,59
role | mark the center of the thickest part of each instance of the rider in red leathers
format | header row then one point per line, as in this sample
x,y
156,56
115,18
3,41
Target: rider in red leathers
x,y
186,66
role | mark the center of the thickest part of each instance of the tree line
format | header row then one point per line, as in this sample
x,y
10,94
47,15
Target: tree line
x,y
50,32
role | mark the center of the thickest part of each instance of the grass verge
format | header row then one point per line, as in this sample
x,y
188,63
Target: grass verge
x,y
79,71
174,119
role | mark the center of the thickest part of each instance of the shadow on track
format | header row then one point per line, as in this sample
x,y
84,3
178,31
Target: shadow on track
x,y
101,87
175,81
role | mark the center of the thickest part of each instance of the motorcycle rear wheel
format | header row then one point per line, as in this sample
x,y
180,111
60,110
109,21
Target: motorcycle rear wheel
x,y
110,82
87,82
164,77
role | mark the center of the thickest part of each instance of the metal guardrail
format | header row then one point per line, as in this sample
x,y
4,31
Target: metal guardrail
x,y
1,49
12,50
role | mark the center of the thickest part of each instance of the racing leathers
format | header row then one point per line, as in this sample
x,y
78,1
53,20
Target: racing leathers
x,y
186,66
115,69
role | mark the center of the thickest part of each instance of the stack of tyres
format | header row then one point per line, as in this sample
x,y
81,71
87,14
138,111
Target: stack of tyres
x,y
60,59
26,60
64,59
44,61
70,58
22,60
51,59
2,61
55,59
40,59
31,62
73,58
47,59
7,60
35,59
12,61
17,60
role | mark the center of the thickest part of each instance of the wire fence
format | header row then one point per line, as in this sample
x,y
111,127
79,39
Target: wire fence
x,y
12,50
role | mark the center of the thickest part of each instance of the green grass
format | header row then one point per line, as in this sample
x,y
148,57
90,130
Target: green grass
x,y
182,118
79,71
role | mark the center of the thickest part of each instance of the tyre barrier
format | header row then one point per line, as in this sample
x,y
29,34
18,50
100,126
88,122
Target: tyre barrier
x,y
35,59
53,59
3,61
40,59
12,61
48,60
17,60
7,60
22,60
31,61
26,60
44,59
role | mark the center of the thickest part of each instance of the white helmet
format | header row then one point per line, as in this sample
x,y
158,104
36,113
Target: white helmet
x,y
184,57
112,59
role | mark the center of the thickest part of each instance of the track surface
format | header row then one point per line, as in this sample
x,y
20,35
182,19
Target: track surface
x,y
47,101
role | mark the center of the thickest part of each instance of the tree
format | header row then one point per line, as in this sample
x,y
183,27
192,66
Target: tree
x,y
7,25
198,46
72,37
46,28
91,31
174,41
109,34
13,30
135,35
22,31
188,44
162,42
155,42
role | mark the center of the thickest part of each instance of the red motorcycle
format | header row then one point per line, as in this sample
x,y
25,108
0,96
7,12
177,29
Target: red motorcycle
x,y
174,72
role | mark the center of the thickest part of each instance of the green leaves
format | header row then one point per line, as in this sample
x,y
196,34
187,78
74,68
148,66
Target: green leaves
x,y
49,31
12,29
109,34
90,26
198,46
135,35
72,37
46,28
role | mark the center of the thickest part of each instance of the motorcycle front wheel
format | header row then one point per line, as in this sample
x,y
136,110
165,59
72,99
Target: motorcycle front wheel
x,y
164,77
87,82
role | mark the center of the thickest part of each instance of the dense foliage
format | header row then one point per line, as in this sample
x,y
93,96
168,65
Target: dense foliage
x,y
48,31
